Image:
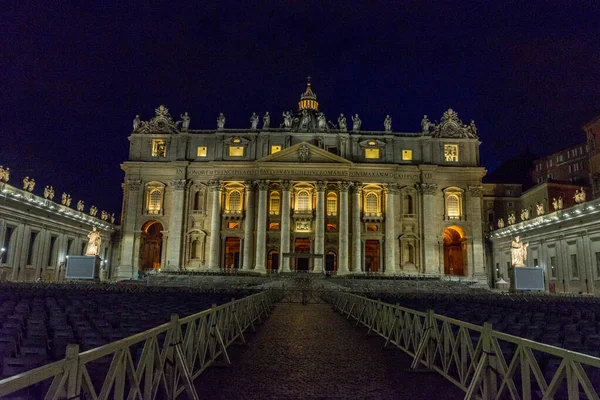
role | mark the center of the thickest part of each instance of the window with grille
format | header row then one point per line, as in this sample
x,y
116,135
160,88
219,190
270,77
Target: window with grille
x,y
235,201
303,201
274,203
154,201
453,206
331,204
371,203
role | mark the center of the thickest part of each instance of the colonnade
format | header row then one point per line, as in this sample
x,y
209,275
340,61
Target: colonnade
x,y
254,256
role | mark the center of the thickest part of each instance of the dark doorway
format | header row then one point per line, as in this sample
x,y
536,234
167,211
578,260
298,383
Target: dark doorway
x,y
302,246
232,252
372,254
330,262
273,261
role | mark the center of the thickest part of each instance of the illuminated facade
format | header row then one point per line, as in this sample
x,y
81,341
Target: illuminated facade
x,y
308,195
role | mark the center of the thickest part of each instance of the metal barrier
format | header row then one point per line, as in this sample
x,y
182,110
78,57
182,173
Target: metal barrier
x,y
484,363
172,356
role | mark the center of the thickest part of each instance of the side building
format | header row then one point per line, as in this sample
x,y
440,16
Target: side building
x,y
306,195
37,235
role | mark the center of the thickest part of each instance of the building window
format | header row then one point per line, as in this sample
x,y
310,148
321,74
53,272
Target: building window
x,y
303,202
201,151
233,225
199,201
159,148
372,153
331,227
236,151
275,149
453,207
451,152
574,267
332,150
274,226
274,203
234,201
372,228
406,155
154,198
331,203
371,203
407,204
553,267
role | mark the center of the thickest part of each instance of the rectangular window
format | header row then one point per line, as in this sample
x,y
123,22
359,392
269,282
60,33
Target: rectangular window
x,y
51,255
553,267
236,151
331,227
574,268
333,150
159,148
371,153
201,151
4,256
535,262
451,152
406,155
274,226
275,149
233,225
32,237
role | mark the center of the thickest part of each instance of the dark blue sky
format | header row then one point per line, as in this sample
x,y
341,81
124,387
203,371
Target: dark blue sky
x,y
72,77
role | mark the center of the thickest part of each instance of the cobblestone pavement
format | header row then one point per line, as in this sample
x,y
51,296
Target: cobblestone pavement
x,y
310,352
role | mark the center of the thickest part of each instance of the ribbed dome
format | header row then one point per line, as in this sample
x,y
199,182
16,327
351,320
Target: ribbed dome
x,y
308,99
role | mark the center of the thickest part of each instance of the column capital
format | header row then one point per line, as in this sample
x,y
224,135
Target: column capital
x,y
262,185
215,185
321,186
286,186
391,188
178,184
344,186
356,187
249,185
133,184
476,191
427,188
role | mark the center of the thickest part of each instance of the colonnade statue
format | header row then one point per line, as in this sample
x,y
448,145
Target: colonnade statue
x,y
93,246
518,252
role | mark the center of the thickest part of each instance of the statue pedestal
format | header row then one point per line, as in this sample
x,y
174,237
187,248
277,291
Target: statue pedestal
x,y
83,267
527,278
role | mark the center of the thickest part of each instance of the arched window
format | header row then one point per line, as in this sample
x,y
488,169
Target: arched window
x,y
303,202
235,201
331,203
371,206
154,201
199,201
274,203
408,204
453,206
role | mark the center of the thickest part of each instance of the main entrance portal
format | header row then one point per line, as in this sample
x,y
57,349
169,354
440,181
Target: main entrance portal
x,y
302,246
151,246
372,254
232,252
454,251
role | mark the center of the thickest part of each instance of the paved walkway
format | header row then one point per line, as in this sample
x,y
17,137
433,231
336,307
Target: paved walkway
x,y
310,352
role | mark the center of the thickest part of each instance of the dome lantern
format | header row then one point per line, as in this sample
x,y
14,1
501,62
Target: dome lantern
x,y
308,99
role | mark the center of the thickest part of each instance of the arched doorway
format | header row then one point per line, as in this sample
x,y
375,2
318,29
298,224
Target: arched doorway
x,y
454,251
330,261
272,261
151,246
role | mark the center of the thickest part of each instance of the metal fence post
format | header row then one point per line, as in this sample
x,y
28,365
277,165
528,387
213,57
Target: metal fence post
x,y
489,386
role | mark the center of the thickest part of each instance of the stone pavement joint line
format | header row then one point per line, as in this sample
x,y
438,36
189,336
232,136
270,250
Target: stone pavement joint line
x,y
310,352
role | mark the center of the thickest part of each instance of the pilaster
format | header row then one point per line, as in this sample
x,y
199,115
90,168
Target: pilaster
x,y
215,224
126,270
248,226
343,232
284,262
176,225
430,258
390,231
357,244
261,227
320,226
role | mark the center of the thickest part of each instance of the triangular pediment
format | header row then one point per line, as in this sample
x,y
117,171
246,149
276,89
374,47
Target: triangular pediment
x,y
304,153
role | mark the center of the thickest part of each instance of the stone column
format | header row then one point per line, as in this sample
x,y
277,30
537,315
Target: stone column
x,y
390,228
357,244
284,247
429,236
261,227
176,213
132,206
320,226
215,225
248,226
474,203
343,253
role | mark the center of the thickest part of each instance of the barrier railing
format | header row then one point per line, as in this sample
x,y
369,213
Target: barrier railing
x,y
162,362
484,363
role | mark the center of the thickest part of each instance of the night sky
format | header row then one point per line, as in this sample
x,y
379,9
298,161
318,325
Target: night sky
x,y
72,77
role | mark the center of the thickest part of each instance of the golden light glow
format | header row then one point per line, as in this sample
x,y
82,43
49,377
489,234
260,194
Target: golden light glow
x,y
233,225
236,151
236,140
201,151
275,149
372,143
159,148
274,226
406,155
451,152
371,153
